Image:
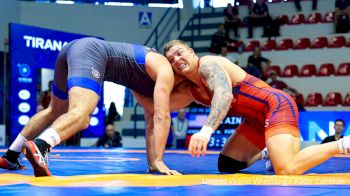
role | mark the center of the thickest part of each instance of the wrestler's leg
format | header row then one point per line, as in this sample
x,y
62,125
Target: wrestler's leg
x,y
288,159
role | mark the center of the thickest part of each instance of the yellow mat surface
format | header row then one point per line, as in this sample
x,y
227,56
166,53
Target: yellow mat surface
x,y
141,180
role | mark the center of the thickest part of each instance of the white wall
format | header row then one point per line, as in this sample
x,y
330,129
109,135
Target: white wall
x,y
9,11
111,22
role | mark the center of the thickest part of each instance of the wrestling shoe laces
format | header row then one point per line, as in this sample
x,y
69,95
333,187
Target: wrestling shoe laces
x,y
38,159
43,159
265,154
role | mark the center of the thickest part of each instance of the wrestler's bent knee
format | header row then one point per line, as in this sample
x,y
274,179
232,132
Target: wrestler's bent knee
x,y
230,165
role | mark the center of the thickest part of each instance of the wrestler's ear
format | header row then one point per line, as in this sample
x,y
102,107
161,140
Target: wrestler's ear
x,y
191,50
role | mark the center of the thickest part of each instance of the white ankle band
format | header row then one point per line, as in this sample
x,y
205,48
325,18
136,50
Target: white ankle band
x,y
51,137
18,143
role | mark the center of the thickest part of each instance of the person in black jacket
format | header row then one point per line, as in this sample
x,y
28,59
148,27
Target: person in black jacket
x,y
339,127
110,139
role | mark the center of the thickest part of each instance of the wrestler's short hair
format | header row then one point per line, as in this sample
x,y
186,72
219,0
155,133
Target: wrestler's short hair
x,y
172,43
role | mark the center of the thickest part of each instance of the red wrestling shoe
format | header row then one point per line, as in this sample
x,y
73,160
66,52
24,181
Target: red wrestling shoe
x,y
38,160
6,164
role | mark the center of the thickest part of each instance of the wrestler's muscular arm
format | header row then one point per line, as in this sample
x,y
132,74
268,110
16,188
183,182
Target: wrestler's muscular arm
x,y
157,134
220,85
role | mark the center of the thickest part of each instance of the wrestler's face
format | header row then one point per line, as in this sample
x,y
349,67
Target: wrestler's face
x,y
181,59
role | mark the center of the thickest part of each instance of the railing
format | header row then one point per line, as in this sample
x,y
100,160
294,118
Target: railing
x,y
160,35
191,23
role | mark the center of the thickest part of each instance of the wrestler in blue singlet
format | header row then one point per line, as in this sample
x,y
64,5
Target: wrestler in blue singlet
x,y
88,61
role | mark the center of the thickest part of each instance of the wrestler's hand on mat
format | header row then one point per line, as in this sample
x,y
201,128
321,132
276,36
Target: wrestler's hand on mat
x,y
160,167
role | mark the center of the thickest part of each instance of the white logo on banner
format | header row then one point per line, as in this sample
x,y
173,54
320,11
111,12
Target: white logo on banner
x,y
23,120
93,121
24,94
24,107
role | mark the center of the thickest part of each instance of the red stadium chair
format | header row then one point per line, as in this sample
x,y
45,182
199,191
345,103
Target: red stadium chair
x,y
269,45
326,69
302,43
347,99
343,69
314,18
290,71
285,44
308,70
251,45
283,19
320,42
333,99
275,68
348,45
297,19
299,98
328,17
337,42
313,99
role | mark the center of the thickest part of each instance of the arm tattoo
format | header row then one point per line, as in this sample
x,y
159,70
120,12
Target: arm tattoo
x,y
222,90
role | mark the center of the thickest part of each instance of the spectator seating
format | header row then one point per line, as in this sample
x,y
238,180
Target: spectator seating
x,y
337,42
347,99
270,44
290,71
251,45
320,42
285,44
302,43
314,99
296,19
328,17
299,98
333,99
283,19
343,69
314,18
326,69
308,70
275,68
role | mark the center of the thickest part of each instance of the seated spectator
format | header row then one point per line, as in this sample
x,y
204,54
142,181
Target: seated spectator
x,y
341,16
224,53
179,126
339,127
218,40
232,20
259,63
275,83
110,139
259,15
298,6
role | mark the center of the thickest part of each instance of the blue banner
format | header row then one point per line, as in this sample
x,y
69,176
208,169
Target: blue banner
x,y
314,125
31,49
